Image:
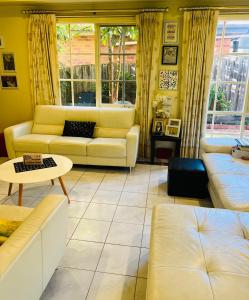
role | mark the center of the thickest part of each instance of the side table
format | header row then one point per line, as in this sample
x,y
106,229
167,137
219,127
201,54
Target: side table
x,y
154,138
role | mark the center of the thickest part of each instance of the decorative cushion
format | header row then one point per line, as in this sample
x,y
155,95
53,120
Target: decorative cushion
x,y
7,227
78,129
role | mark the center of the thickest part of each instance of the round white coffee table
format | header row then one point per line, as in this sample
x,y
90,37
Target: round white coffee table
x,y
8,174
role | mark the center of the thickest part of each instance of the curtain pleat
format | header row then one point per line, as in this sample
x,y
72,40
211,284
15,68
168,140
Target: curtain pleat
x,y
43,62
199,32
149,26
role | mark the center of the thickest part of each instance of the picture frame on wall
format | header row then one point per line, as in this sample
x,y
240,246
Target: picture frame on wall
x,y
158,126
9,82
169,55
1,42
8,62
170,32
168,80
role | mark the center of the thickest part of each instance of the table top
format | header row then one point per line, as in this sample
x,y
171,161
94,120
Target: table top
x,y
8,174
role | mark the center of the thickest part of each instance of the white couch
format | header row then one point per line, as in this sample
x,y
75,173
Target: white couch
x,y
30,255
115,141
228,176
198,254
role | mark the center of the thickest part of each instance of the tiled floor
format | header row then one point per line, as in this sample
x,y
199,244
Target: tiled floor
x,y
109,230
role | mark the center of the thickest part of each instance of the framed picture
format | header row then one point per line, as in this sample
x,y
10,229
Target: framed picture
x,y
9,82
168,80
158,126
173,128
1,42
169,55
170,32
8,62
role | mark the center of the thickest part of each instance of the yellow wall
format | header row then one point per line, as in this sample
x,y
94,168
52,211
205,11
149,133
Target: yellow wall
x,y
15,105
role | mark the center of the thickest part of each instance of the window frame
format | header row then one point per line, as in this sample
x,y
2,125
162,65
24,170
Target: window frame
x,y
98,22
245,110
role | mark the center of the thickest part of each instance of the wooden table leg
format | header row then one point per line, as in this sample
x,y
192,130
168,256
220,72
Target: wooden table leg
x,y
64,188
20,194
52,181
10,189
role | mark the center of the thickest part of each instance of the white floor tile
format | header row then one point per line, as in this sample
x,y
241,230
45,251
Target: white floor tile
x,y
81,194
102,212
127,214
158,187
112,287
92,230
121,260
71,226
141,289
193,201
136,187
81,255
153,200
68,284
133,199
143,263
76,209
107,197
148,216
146,236
125,234
110,184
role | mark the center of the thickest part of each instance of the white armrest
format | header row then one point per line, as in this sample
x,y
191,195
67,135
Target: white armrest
x,y
132,145
13,132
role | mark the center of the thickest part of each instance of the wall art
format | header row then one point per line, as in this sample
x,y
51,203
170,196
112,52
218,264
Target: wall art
x,y
168,80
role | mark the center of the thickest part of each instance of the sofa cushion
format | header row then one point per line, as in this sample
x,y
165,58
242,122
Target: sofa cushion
x,y
69,145
198,253
107,147
7,227
232,190
78,129
38,143
13,212
219,163
218,145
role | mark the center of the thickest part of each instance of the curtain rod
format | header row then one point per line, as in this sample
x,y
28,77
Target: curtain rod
x,y
93,11
232,8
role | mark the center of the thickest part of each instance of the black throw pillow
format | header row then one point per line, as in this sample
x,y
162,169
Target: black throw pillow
x,y
80,129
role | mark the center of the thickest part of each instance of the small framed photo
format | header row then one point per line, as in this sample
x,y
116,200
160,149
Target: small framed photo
x,y
1,42
158,126
8,61
169,55
170,32
173,128
9,82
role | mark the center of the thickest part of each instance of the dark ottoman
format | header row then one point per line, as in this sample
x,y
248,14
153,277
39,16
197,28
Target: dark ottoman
x,y
187,178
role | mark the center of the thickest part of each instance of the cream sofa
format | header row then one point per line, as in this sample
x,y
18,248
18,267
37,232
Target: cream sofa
x,y
228,176
115,141
30,255
198,254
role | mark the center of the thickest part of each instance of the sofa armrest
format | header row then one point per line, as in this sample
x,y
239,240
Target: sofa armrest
x,y
132,145
13,132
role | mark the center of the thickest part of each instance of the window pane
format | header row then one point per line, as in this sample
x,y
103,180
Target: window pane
x,y
112,92
63,37
111,67
130,67
234,68
131,35
236,38
82,38
230,97
84,93
227,124
246,126
64,66
215,68
83,66
211,96
130,92
209,126
66,94
218,40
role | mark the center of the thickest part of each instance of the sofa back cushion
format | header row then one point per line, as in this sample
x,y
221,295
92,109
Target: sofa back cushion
x,y
110,122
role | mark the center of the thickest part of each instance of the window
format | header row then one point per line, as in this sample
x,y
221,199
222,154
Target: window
x,y
228,96
97,60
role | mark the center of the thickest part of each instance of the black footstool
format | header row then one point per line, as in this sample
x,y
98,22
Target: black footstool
x,y
187,178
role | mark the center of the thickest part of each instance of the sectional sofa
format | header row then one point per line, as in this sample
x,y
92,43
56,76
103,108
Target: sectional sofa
x,y
115,140
228,176
31,254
